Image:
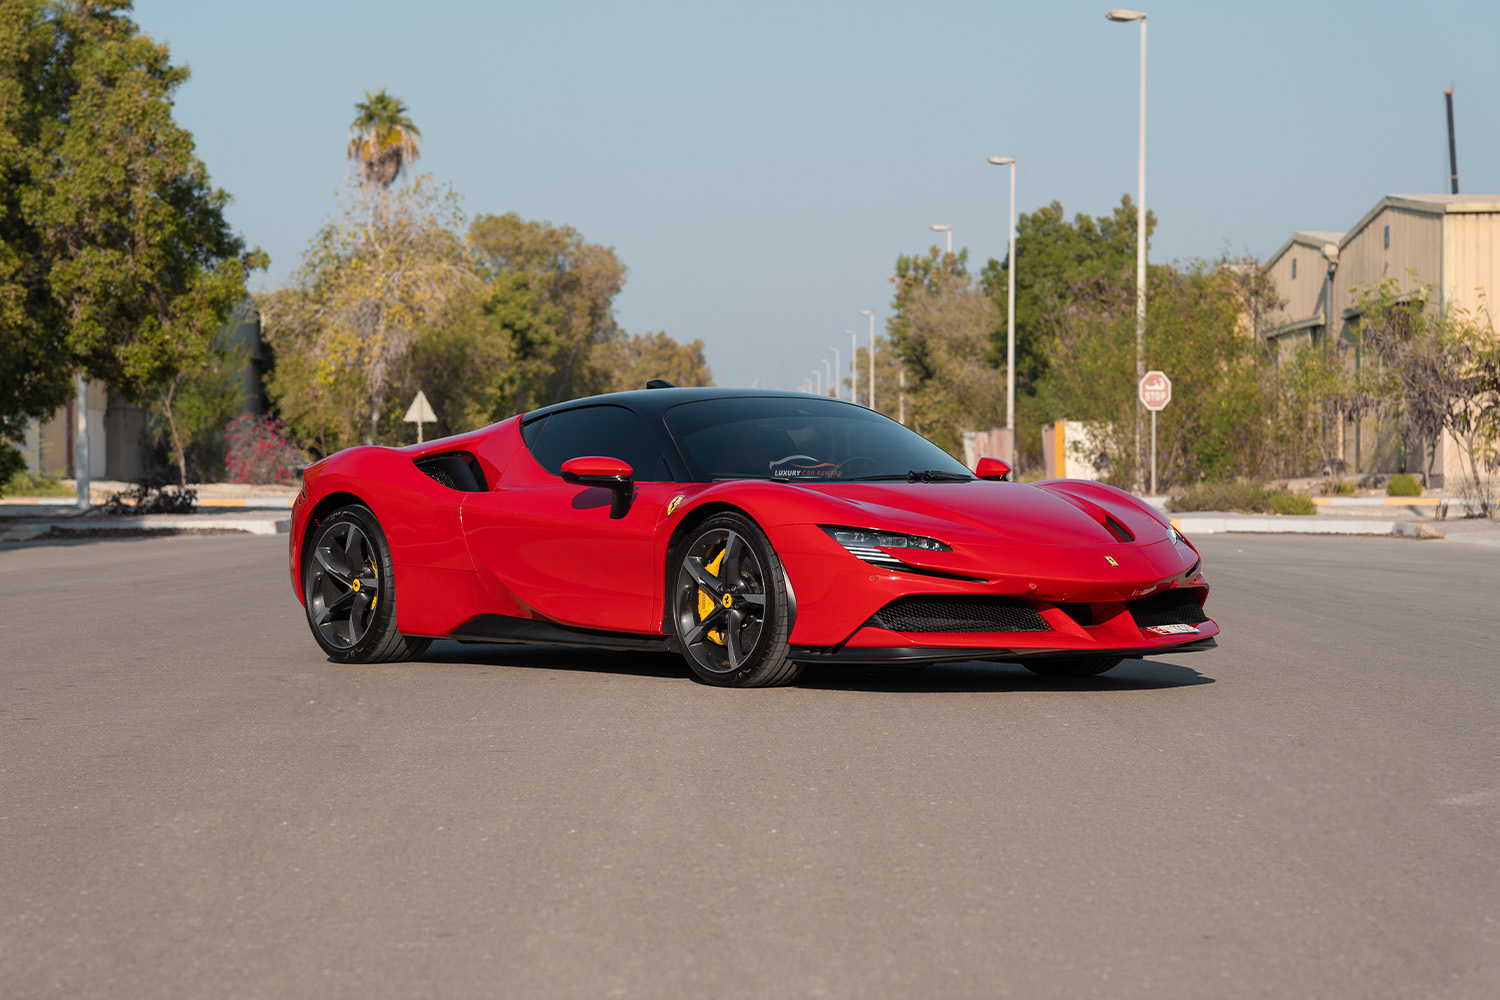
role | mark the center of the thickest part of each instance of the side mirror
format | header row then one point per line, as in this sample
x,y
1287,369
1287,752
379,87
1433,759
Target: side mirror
x,y
992,468
600,470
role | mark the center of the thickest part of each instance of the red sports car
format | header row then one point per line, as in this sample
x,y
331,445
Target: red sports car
x,y
753,532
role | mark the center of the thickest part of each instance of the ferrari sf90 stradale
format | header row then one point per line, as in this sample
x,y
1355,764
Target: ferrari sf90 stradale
x,y
752,532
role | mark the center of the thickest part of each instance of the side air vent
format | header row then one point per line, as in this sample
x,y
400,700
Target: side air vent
x,y
1170,607
959,614
457,470
1121,533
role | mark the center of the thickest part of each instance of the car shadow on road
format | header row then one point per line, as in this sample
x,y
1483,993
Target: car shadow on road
x,y
977,675
598,661
974,675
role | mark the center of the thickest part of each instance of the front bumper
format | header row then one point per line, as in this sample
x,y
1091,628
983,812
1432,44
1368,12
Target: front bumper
x,y
898,655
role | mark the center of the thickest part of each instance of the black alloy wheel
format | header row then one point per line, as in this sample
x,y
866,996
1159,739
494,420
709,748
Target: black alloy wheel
x,y
349,590
1072,666
729,603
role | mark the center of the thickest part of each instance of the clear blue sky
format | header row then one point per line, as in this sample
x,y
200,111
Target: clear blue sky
x,y
759,167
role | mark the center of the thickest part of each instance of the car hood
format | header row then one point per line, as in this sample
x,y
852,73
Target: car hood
x,y
1051,514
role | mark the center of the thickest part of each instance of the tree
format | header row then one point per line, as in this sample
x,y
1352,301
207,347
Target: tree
x,y
345,327
383,138
1440,371
479,361
1053,256
117,259
574,283
887,377
941,324
630,361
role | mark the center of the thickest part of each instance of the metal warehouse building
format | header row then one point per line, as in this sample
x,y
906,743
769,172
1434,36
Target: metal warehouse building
x,y
1445,243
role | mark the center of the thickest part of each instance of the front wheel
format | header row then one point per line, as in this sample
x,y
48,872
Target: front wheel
x,y
349,587
1072,666
729,603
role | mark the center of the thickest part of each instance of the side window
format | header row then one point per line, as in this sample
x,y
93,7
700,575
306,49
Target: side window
x,y
596,430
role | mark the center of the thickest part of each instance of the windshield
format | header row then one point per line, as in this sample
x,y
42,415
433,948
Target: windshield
x,y
770,437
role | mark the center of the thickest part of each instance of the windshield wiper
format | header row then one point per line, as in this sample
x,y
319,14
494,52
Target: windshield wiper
x,y
916,476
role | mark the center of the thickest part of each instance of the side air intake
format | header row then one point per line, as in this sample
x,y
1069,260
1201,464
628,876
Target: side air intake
x,y
457,470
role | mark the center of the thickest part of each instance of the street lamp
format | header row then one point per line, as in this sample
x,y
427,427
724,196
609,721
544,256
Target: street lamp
x,y
871,313
853,366
837,371
1121,14
944,229
819,384
1010,302
827,378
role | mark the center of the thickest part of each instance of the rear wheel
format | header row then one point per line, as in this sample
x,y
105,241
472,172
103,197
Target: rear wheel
x,y
729,603
1072,666
350,591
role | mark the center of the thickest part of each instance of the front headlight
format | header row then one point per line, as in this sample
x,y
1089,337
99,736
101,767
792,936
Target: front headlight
x,y
867,545
1176,536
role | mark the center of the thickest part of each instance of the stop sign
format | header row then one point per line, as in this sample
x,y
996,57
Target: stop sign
x,y
1155,390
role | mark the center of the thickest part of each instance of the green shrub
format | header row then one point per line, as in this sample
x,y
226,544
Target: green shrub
x,y
1292,503
12,463
1403,485
24,484
1248,497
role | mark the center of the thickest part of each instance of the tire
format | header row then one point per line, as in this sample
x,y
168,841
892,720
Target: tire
x,y
729,604
348,587
1072,666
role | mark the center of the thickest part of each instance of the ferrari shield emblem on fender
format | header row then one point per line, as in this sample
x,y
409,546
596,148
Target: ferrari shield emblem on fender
x,y
1111,560
674,504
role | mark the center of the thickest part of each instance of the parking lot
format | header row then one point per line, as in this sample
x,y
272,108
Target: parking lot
x,y
195,803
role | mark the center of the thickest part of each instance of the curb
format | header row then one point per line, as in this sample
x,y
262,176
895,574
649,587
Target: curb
x,y
1191,524
151,524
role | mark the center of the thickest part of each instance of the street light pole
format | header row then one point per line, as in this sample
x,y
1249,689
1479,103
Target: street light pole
x,y
1121,14
819,384
853,366
871,313
944,229
838,389
1010,303
827,378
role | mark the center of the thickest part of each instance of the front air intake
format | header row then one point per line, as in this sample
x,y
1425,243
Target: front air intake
x,y
959,614
1170,607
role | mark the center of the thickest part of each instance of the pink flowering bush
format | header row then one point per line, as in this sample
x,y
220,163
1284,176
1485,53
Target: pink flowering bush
x,y
260,452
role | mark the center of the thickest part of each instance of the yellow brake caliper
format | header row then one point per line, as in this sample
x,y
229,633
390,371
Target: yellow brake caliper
x,y
706,603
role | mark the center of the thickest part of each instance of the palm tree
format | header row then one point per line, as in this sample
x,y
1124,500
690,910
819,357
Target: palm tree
x,y
382,138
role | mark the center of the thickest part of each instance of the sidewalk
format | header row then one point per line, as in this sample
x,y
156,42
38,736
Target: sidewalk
x,y
222,508
1398,516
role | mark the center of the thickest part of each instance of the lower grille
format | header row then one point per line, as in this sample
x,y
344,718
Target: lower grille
x,y
959,614
1170,607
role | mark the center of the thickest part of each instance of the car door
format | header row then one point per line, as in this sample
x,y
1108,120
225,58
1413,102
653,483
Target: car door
x,y
554,546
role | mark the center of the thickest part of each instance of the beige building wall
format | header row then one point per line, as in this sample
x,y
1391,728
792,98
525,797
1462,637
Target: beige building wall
x,y
1413,258
1471,262
1299,272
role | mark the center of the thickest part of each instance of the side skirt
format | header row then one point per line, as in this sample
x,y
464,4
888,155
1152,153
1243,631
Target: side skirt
x,y
501,628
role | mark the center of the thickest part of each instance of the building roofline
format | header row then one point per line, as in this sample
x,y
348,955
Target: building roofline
x,y
1427,204
1306,238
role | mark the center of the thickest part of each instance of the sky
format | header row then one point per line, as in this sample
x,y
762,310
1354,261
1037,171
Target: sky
x,y
759,167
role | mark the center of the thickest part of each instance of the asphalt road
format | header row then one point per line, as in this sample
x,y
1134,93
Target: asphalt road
x,y
194,803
